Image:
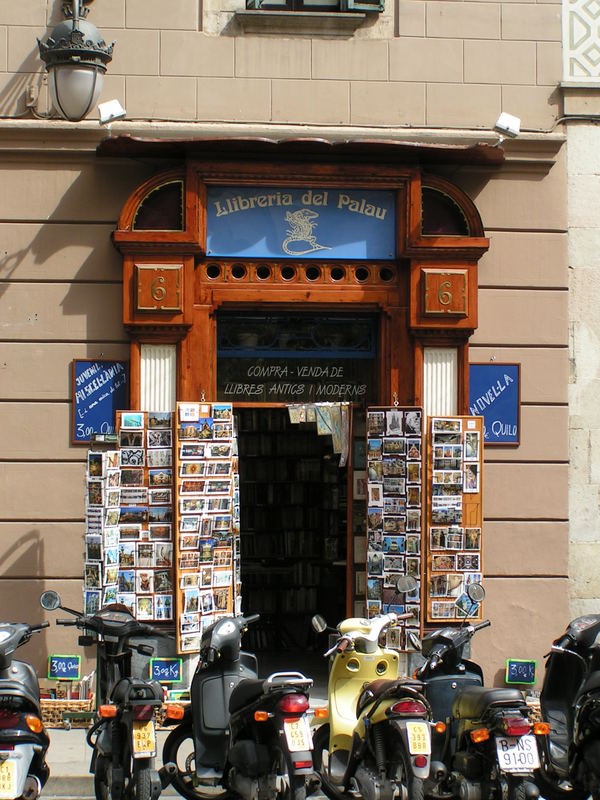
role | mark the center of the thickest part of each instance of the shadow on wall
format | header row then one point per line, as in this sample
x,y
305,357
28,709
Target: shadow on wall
x,y
26,557
29,75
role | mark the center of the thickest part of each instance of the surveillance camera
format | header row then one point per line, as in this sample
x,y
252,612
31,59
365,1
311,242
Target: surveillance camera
x,y
110,111
507,125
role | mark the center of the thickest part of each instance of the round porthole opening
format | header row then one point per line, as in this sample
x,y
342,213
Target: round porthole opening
x,y
313,273
362,274
386,274
263,272
213,271
288,273
338,274
238,271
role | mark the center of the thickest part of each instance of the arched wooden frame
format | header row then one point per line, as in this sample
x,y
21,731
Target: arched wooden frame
x,y
405,323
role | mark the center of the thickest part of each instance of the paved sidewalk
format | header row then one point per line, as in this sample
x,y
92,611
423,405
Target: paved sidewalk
x,y
69,760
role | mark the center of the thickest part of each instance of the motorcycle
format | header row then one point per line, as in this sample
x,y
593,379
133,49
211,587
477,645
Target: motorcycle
x,y
123,738
241,734
376,744
570,706
484,744
23,738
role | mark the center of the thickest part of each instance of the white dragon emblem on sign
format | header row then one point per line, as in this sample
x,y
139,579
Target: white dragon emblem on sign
x,y
301,230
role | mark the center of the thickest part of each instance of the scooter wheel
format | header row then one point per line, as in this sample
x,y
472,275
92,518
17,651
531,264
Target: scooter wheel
x,y
320,743
179,748
102,779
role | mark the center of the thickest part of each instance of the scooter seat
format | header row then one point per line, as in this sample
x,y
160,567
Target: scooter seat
x,y
373,690
247,691
473,701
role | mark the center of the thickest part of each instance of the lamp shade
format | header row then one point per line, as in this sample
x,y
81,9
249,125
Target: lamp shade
x,y
76,56
74,89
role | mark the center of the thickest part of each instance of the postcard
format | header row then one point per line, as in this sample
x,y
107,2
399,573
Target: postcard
x,y
163,606
159,419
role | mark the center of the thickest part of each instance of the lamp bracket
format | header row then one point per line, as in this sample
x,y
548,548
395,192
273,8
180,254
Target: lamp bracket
x,y
82,11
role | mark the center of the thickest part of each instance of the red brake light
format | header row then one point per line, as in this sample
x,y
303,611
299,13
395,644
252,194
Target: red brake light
x,y
8,719
408,707
7,747
516,726
421,761
303,764
294,703
143,712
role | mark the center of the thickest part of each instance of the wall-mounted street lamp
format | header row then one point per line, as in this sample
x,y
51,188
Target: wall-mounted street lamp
x,y
76,56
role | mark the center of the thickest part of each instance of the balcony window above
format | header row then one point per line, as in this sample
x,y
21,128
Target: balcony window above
x,y
316,5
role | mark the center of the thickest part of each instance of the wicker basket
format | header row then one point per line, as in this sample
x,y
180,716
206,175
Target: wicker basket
x,y
53,710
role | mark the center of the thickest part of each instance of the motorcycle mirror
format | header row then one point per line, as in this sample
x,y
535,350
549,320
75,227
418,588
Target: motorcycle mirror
x,y
318,623
476,592
406,584
50,600
414,640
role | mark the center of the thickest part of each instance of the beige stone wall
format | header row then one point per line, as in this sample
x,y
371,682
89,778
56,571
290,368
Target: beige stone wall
x,y
447,68
419,63
584,263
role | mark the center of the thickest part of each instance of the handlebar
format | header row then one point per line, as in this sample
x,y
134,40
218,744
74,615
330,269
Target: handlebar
x,y
66,622
485,624
39,627
251,618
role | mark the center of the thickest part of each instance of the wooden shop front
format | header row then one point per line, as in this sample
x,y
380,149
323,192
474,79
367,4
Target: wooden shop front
x,y
281,276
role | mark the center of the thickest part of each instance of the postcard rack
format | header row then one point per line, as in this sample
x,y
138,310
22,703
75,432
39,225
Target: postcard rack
x,y
207,518
394,460
454,516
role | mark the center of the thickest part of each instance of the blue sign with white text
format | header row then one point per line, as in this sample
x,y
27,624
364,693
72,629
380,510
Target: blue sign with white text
x,y
494,394
165,670
99,390
520,670
64,668
277,222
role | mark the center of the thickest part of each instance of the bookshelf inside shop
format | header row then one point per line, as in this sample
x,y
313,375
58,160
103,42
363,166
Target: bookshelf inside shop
x,y
293,527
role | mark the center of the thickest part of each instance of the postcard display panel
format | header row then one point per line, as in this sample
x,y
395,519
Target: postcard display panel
x,y
129,550
394,513
454,515
207,565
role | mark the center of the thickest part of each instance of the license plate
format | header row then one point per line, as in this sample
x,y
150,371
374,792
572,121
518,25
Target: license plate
x,y
297,734
517,754
419,741
8,778
144,739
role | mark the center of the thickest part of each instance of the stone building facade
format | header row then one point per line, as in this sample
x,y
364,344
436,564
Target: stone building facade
x,y
420,72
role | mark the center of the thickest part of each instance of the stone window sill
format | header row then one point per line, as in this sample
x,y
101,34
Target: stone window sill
x,y
333,23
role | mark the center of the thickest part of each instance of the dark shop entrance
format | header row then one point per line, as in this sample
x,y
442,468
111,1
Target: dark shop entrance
x,y
293,529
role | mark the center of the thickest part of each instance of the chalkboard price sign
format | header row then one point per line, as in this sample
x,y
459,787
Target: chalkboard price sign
x,y
99,390
64,668
165,670
520,670
494,393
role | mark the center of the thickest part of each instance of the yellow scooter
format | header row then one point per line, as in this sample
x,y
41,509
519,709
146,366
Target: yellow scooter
x,y
376,742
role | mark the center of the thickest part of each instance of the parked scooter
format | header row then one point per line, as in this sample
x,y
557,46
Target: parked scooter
x,y
23,738
570,705
483,746
376,744
241,733
123,738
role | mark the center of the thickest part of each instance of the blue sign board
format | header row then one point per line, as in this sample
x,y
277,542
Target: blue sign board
x,y
519,670
99,390
494,393
278,222
64,668
165,670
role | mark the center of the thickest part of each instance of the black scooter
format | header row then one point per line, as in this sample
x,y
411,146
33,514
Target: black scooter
x,y
241,734
123,738
23,738
570,705
483,746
